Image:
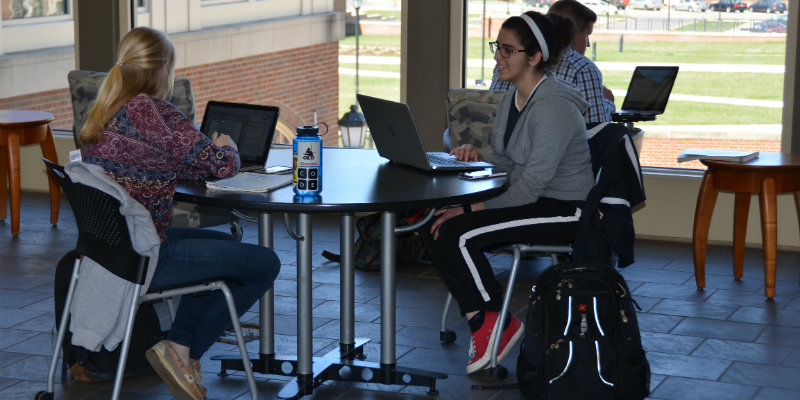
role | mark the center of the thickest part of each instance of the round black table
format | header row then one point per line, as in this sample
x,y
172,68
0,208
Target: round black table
x,y
353,180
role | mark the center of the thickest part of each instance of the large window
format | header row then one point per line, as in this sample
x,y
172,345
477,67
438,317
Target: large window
x,y
370,65
19,9
729,91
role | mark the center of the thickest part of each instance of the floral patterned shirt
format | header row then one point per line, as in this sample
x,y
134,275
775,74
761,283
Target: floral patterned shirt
x,y
148,145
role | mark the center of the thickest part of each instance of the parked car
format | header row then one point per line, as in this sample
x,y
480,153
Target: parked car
x,y
770,26
539,3
646,5
728,6
599,7
769,6
620,4
690,5
773,25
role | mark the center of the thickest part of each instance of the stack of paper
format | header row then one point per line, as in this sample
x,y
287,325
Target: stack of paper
x,y
714,154
251,182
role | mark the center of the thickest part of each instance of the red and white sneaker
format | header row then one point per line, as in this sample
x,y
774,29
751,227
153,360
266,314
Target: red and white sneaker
x,y
483,340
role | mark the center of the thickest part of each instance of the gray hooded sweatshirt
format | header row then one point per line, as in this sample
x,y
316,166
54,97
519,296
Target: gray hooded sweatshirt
x,y
548,152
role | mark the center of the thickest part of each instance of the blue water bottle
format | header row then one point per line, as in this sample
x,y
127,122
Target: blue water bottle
x,y
307,161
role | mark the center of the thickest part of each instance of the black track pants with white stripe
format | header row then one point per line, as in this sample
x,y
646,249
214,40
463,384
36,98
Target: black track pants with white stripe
x,y
458,253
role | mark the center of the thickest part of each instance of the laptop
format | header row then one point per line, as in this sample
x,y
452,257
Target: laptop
x,y
252,128
396,137
648,93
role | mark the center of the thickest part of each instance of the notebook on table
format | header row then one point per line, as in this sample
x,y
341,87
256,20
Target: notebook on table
x,y
396,137
252,128
648,93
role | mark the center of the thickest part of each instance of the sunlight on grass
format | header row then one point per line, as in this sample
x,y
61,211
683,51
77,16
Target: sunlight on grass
x,y
692,113
750,85
736,85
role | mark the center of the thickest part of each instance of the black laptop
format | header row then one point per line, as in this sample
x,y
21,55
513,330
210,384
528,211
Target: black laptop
x,y
396,137
251,127
648,93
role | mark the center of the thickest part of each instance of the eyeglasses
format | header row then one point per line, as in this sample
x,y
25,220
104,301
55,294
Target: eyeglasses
x,y
505,52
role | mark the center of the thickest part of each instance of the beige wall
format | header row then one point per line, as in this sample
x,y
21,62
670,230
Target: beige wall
x,y
669,213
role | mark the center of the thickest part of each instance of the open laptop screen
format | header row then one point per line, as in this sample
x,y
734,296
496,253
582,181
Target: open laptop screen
x,y
649,89
251,126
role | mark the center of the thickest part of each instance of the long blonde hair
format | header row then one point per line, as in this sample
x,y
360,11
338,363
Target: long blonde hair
x,y
145,64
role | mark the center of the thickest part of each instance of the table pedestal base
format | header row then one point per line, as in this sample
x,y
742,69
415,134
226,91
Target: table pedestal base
x,y
345,364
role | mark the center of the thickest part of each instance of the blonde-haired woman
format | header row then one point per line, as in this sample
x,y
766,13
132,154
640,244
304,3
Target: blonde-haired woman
x,y
146,144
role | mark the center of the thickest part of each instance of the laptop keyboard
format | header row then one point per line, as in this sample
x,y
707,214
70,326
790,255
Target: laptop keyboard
x,y
258,169
436,159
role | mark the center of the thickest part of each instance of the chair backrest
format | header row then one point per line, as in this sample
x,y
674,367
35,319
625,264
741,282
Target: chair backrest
x,y
84,86
103,232
606,224
470,117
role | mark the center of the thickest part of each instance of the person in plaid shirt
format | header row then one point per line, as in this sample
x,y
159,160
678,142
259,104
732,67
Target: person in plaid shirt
x,y
574,67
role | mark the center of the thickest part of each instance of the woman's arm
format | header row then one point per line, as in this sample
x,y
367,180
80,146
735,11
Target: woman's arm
x,y
199,156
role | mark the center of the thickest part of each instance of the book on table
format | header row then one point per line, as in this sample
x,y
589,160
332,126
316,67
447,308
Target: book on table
x,y
715,154
251,182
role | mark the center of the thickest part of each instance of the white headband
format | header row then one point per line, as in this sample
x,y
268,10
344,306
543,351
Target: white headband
x,y
538,34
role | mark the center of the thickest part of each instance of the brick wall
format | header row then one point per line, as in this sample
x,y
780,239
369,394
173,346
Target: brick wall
x,y
663,152
299,81
55,101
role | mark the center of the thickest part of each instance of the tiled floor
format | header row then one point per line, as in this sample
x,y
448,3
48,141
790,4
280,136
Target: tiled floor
x,y
726,342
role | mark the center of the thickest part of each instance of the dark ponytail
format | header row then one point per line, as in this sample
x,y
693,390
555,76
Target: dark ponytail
x,y
557,32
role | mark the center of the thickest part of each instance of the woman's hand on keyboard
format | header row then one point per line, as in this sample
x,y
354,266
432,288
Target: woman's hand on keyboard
x,y
221,140
466,152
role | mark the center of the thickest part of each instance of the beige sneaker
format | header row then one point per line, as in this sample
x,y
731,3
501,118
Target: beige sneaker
x,y
198,376
181,379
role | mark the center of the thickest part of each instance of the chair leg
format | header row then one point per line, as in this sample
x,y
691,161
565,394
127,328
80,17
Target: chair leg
x,y
62,328
445,334
171,308
248,369
126,342
506,306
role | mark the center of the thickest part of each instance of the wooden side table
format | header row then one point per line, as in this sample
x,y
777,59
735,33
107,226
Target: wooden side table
x,y
769,174
20,128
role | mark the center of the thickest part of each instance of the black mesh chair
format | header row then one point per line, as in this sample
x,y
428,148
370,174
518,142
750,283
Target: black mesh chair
x,y
103,236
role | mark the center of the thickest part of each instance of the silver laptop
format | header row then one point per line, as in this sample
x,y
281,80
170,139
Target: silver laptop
x,y
396,137
648,93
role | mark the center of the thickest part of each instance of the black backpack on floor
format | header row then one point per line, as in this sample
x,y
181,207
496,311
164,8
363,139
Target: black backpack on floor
x,y
582,338
100,366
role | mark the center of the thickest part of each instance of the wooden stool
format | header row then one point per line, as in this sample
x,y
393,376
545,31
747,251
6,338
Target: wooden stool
x,y
767,175
20,128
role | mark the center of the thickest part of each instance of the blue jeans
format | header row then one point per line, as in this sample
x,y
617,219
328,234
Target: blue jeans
x,y
191,255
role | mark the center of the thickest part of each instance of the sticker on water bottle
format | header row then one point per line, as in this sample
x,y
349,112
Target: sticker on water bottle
x,y
307,163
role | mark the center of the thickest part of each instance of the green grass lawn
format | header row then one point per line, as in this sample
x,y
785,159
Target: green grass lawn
x,y
692,113
764,86
736,85
771,53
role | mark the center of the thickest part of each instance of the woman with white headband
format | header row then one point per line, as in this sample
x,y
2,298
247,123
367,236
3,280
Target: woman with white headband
x,y
539,137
